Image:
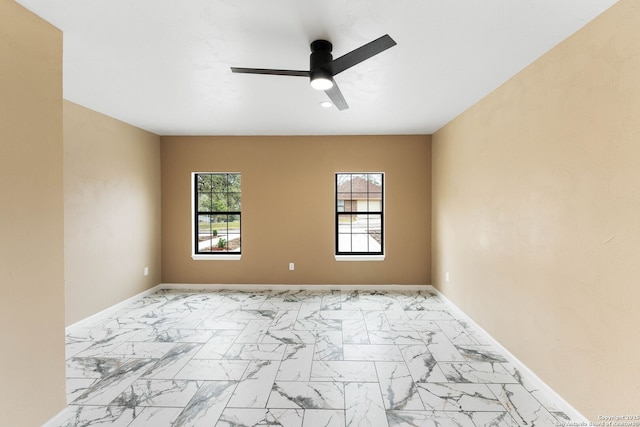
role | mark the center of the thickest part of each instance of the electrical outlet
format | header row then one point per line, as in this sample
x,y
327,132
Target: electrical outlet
x,y
292,266
146,271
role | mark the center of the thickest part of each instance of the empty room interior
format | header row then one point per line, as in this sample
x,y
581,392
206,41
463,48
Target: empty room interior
x,y
455,240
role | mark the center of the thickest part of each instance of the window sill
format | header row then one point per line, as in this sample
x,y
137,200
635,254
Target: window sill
x,y
359,257
216,257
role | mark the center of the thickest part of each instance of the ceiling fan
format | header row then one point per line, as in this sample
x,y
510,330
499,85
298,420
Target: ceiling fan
x,y
322,66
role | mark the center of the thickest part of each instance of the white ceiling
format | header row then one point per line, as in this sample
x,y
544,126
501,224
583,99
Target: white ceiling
x,y
163,65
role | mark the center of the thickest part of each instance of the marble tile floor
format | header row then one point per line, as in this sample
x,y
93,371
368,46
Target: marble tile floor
x,y
294,358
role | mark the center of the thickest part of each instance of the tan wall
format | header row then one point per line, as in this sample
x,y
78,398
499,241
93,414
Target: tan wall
x,y
536,214
31,219
112,211
288,207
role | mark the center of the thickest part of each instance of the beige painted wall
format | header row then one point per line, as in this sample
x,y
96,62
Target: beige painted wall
x,y
31,219
112,211
536,214
288,202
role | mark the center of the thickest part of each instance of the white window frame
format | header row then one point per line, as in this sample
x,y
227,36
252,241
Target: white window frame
x,y
361,257
223,256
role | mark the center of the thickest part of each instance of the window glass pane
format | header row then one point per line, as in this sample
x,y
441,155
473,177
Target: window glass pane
x,y
227,244
233,224
344,242
234,182
359,224
219,224
204,202
343,182
344,223
374,222
205,235
234,202
219,182
375,179
204,183
360,243
359,202
219,202
204,224
233,242
375,205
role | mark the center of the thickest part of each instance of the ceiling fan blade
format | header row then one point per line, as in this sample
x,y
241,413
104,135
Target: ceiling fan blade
x,y
336,97
354,57
296,73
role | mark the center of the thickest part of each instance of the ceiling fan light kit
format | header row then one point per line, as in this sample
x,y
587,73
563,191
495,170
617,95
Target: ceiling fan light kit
x,y
322,66
321,79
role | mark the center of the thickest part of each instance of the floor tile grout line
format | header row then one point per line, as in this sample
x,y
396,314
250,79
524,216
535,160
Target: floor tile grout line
x,y
344,297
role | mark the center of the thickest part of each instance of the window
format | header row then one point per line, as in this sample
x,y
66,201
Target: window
x,y
217,215
359,214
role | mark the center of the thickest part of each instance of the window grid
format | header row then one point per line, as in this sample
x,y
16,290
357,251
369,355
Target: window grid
x,y
359,213
218,216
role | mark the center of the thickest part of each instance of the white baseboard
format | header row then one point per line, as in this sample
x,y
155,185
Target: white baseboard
x,y
109,310
283,287
57,420
562,404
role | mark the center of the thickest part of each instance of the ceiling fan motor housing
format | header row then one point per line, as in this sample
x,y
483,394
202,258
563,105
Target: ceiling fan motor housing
x,y
320,55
